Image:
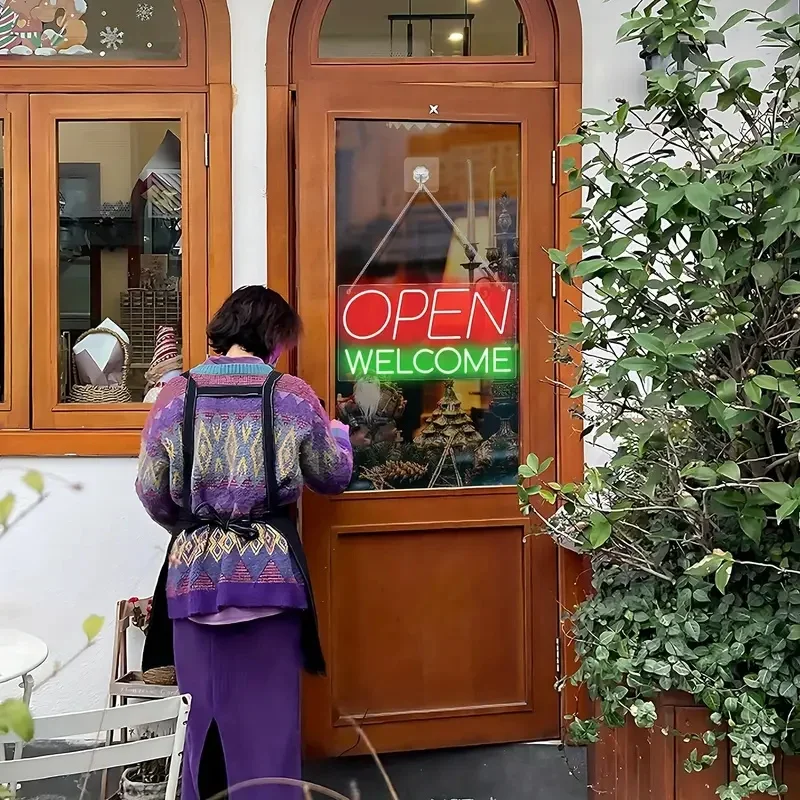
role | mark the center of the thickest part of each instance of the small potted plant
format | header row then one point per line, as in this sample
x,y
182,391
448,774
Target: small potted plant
x,y
145,781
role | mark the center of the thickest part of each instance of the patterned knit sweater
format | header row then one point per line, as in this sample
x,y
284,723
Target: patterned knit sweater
x,y
212,569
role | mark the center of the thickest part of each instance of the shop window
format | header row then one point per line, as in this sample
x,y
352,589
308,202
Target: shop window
x,y
90,29
422,29
120,247
427,271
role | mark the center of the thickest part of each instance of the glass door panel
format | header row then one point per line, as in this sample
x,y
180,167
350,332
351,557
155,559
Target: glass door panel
x,y
427,271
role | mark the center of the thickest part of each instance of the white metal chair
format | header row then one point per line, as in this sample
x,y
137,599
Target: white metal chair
x,y
101,756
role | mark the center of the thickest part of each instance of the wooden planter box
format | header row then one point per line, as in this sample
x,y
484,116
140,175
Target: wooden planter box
x,y
632,763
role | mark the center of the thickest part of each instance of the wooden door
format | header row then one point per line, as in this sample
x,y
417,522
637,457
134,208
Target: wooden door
x,y
438,617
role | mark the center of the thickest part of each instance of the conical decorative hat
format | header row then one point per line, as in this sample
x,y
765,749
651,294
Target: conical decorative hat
x,y
166,346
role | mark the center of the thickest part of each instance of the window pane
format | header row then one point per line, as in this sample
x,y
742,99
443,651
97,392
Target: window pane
x,y
422,29
112,29
119,258
427,271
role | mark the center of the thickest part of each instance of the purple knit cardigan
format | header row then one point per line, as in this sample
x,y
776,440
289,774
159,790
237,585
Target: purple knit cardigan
x,y
212,569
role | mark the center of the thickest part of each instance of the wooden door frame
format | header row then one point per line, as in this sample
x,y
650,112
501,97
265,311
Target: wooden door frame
x,y
566,77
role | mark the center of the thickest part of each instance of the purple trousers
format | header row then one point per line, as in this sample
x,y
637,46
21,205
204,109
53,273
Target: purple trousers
x,y
244,723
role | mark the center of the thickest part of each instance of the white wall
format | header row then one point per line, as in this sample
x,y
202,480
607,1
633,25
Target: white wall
x,y
80,553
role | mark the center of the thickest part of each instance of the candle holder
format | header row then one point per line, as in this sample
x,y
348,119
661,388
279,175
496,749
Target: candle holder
x,y
503,254
504,405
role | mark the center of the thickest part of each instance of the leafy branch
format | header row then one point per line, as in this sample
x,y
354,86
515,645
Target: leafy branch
x,y
688,364
15,716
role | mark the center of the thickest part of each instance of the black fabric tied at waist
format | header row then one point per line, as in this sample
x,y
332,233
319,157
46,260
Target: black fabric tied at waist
x,y
208,516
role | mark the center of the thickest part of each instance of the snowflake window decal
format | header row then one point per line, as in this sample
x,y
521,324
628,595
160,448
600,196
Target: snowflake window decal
x,y
144,12
112,38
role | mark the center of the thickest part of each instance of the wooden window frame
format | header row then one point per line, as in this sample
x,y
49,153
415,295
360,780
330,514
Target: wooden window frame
x,y
16,269
29,423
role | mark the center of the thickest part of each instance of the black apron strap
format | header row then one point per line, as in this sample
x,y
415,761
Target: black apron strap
x,y
312,649
268,436
189,410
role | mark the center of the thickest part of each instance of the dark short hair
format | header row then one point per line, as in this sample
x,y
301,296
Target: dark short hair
x,y
256,319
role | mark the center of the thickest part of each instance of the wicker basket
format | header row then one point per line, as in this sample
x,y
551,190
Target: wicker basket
x,y
160,676
118,393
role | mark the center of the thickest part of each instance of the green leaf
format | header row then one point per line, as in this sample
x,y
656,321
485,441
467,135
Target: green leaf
x,y
752,391
764,273
666,200
788,509
723,576
776,491
708,243
532,461
745,66
570,138
638,364
650,343
696,398
735,19
776,6
705,566
16,716
92,626
7,509
766,382
34,480
726,391
657,667
752,521
599,530
794,633
730,469
616,248
781,367
692,629
654,478
790,287
699,196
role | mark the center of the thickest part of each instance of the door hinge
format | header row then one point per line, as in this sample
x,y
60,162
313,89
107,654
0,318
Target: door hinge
x,y
558,658
206,147
554,282
553,167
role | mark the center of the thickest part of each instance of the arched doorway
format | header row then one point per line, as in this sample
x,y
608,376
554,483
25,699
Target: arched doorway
x,y
117,199
411,155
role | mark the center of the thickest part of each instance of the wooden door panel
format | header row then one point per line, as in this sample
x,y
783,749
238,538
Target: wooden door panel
x,y
428,622
439,618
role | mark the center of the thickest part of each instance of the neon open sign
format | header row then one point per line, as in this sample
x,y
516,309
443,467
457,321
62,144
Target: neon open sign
x,y
428,332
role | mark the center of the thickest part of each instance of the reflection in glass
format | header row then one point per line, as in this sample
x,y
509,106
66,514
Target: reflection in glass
x,y
109,29
120,259
422,29
422,207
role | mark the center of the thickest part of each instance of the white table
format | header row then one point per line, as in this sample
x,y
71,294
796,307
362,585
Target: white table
x,y
20,655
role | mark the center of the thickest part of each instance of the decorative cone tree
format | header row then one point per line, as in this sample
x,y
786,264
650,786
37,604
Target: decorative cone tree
x,y
449,425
